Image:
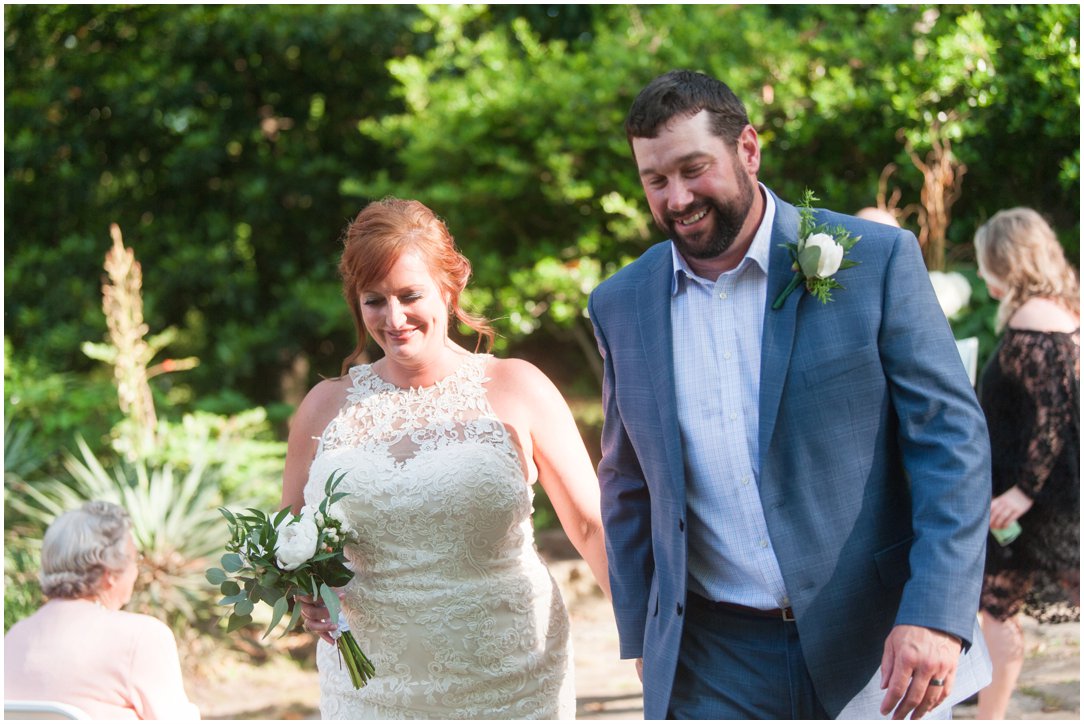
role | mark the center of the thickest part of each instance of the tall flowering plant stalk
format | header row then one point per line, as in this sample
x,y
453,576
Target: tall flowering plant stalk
x,y
272,559
130,351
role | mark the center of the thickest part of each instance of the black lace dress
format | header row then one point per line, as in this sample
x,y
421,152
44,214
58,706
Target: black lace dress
x,y
1030,392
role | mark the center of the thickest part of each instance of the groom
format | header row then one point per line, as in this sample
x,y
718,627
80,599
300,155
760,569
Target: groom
x,y
795,496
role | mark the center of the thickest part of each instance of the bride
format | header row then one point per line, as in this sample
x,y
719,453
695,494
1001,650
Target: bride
x,y
440,448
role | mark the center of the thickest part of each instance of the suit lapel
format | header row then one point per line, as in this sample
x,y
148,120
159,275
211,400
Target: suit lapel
x,y
657,335
778,336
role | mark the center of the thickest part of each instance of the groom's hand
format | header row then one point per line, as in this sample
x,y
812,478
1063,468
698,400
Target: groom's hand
x,y
917,669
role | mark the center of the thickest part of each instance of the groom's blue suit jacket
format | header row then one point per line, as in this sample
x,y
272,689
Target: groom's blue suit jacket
x,y
874,460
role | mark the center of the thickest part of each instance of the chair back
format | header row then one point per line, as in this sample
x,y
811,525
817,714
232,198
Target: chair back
x,y
34,710
969,353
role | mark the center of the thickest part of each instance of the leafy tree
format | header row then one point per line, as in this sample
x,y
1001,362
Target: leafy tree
x,y
517,140
233,143
1030,152
216,136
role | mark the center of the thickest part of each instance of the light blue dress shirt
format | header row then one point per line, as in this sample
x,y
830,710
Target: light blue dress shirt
x,y
717,334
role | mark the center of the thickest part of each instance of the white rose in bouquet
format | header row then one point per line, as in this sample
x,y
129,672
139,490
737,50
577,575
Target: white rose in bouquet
x,y
335,511
297,542
299,564
953,291
831,256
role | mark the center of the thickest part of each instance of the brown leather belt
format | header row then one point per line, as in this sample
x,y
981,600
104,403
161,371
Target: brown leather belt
x,y
779,614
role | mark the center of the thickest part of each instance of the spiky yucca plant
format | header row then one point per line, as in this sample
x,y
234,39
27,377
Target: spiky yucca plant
x,y
22,593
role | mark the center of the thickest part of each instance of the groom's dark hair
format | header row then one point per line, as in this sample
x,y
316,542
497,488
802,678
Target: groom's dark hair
x,y
683,93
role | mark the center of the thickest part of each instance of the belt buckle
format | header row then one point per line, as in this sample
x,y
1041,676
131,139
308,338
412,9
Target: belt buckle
x,y
788,614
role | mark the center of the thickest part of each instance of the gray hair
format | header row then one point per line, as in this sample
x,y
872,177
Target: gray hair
x,y
80,546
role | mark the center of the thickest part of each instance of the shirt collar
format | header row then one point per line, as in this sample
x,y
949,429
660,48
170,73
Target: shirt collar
x,y
758,253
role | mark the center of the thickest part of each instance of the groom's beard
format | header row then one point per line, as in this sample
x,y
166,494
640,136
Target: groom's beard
x,y
727,217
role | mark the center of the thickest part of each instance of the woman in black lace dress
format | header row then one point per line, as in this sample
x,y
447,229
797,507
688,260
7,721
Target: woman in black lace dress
x,y
1030,392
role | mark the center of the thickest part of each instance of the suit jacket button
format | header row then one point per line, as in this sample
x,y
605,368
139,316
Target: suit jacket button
x,y
679,609
681,525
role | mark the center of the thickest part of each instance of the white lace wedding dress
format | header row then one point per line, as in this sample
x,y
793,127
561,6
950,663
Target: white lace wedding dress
x,y
450,600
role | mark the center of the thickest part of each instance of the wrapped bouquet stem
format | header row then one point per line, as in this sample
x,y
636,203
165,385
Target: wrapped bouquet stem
x,y
357,663
273,559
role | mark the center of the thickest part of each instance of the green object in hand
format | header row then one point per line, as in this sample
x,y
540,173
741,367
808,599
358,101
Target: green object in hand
x,y
1008,534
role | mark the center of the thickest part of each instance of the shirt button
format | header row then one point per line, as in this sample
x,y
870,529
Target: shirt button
x,y
745,480
722,295
733,416
726,355
763,544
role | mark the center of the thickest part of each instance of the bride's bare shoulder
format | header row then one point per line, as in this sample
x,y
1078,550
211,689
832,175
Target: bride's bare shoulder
x,y
523,386
321,404
516,374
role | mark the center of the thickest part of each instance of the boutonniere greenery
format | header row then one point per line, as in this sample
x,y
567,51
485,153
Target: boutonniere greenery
x,y
818,255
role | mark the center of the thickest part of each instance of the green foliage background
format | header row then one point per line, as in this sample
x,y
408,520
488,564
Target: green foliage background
x,y
233,143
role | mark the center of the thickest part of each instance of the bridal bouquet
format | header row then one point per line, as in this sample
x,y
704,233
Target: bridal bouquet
x,y
272,559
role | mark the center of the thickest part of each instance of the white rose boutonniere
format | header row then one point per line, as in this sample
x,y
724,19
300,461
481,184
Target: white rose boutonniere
x,y
824,264
817,256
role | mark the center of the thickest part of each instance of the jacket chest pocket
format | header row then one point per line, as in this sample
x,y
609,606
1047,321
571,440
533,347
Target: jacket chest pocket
x,y
821,370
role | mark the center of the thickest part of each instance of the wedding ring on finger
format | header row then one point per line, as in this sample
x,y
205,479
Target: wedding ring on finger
x,y
937,682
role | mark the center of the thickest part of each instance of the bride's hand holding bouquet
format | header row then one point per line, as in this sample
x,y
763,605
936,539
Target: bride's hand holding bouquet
x,y
287,557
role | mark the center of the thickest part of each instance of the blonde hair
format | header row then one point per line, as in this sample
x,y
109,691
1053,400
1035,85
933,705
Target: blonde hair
x,y
1020,249
80,546
375,240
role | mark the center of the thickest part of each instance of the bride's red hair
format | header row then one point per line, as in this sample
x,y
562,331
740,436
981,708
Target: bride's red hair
x,y
375,240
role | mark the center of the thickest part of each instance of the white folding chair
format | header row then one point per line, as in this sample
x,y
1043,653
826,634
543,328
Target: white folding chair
x,y
969,353
33,710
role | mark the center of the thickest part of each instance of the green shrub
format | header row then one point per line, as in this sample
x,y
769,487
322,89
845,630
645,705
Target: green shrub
x,y
57,405
241,448
22,592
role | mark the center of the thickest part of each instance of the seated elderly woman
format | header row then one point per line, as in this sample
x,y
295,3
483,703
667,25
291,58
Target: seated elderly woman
x,y
80,648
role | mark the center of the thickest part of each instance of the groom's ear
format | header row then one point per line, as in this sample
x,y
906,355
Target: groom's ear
x,y
748,150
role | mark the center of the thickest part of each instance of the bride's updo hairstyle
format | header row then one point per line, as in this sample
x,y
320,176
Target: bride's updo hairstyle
x,y
375,240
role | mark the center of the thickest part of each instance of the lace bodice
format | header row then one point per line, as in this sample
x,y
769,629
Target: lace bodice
x,y
405,422
450,599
